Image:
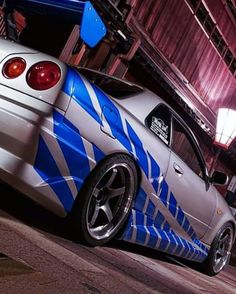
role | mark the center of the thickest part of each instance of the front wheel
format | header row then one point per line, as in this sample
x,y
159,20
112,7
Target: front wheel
x,y
220,251
104,203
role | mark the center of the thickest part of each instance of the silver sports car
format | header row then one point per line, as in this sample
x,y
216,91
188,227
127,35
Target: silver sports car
x,y
108,155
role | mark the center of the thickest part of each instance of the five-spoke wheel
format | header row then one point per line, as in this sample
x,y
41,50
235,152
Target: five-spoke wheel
x,y
220,250
104,203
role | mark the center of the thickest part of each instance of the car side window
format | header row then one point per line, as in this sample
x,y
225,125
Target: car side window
x,y
159,122
183,146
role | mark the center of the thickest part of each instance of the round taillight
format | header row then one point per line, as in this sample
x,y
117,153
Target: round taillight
x,y
43,75
13,68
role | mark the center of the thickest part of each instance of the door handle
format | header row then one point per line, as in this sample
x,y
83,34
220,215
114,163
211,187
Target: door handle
x,y
178,169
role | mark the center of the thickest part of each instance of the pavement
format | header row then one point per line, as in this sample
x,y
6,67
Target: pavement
x,y
43,262
42,259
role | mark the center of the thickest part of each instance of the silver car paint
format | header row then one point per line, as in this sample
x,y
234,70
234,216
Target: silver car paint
x,y
24,115
20,84
211,206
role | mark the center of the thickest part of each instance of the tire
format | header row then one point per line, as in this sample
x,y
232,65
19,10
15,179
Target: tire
x,y
220,251
104,203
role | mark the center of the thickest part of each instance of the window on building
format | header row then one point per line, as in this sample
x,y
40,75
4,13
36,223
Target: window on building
x,y
202,14
194,3
228,57
209,24
233,66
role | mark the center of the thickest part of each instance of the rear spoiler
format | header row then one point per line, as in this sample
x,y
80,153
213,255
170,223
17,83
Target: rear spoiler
x,y
92,28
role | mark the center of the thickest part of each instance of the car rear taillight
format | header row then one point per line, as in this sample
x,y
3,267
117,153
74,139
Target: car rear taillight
x,y
13,68
43,75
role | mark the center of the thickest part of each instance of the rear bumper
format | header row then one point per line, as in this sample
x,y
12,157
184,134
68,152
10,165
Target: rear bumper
x,y
22,176
41,155
22,119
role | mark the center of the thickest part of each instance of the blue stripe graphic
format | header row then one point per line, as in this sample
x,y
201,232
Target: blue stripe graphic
x,y
155,172
179,244
166,227
138,145
180,216
169,239
69,83
80,93
172,205
153,237
72,147
150,208
47,168
127,235
117,126
164,240
98,153
170,242
159,220
164,192
140,199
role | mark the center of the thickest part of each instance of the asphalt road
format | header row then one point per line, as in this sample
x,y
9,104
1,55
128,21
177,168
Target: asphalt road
x,y
49,262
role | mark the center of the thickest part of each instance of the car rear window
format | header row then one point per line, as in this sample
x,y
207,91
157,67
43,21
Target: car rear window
x,y
111,85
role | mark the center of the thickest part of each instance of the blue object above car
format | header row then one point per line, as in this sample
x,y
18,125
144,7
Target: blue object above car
x,y
92,28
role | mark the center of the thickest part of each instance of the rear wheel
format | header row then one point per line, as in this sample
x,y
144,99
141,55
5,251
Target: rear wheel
x,y
104,203
220,251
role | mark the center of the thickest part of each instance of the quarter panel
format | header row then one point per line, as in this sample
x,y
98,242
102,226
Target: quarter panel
x,y
128,134
222,215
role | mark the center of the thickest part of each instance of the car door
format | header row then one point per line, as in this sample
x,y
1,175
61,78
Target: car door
x,y
187,179
159,123
158,145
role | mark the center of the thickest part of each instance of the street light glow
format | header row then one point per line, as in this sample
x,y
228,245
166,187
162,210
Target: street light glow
x,y
225,127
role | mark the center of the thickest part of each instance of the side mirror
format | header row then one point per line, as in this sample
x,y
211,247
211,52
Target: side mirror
x,y
219,178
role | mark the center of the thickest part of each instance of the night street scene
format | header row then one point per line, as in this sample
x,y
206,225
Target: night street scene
x,y
118,146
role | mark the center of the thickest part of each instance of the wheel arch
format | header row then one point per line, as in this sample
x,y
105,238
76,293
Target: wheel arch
x,y
211,237
95,176
107,156
215,261
122,152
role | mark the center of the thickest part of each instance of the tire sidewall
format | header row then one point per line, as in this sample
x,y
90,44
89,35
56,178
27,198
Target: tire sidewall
x,y
79,211
208,267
